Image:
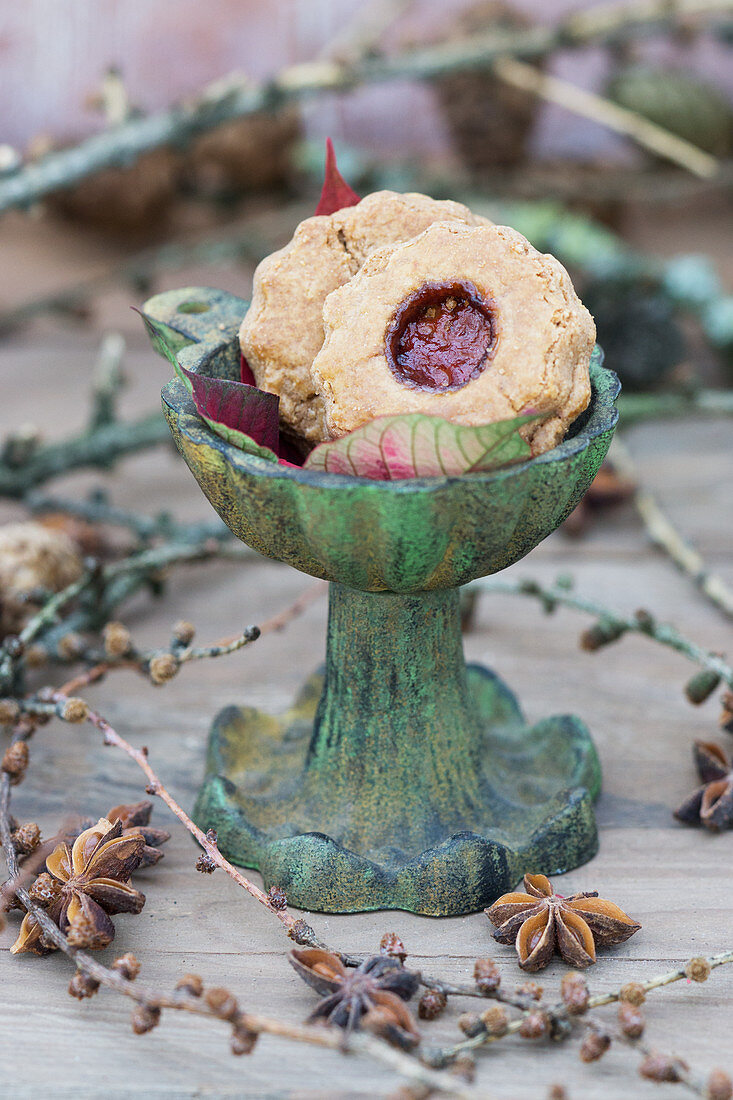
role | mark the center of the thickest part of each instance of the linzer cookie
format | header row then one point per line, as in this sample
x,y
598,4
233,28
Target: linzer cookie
x,y
466,322
283,330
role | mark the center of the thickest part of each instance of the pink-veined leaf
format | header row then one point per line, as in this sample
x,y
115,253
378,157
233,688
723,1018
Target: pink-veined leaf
x,y
239,413
414,445
336,193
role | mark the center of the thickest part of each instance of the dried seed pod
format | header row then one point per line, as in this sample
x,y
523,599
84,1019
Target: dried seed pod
x,y
431,1004
191,984
45,889
75,710
486,976
243,1040
594,1046
718,1086
495,1019
127,965
277,898
535,1025
726,717
662,1067
222,1003
574,993
701,686
163,667
144,1018
15,761
471,1024
391,944
631,1020
26,838
81,985
698,969
633,992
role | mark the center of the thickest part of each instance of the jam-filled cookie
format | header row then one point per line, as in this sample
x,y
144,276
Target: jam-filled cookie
x,y
469,323
283,330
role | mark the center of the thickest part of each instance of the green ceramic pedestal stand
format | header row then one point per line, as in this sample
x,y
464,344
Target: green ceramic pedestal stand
x,y
401,778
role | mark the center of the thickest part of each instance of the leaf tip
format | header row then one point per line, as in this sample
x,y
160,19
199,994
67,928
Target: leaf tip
x,y
335,193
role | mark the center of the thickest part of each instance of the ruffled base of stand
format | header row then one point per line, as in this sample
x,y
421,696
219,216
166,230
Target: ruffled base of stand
x,y
526,806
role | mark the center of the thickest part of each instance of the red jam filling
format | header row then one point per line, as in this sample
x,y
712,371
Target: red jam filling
x,y
441,337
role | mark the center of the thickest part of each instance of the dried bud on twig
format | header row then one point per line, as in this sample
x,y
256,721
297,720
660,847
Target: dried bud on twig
x,y
531,990
144,1018
75,710
71,646
486,976
535,1025
698,969
701,686
243,1040
631,1020
15,761
163,668
662,1067
463,1066
116,639
600,634
205,864
471,1024
36,656
127,965
184,632
9,712
431,1004
26,838
594,1046
277,898
191,984
718,1086
495,1020
633,992
391,945
222,1003
81,985
574,993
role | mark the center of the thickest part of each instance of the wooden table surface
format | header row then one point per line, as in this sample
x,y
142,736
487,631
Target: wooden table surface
x,y
675,880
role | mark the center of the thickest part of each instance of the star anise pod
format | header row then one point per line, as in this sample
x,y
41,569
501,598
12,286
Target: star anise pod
x,y
541,922
712,803
88,882
135,818
380,984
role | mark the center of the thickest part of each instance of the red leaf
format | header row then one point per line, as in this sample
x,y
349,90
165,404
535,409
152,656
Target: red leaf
x,y
245,373
336,193
237,407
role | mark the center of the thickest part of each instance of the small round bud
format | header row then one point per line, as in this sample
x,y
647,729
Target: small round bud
x,y
574,993
81,985
486,976
70,646
631,1020
633,992
116,639
163,668
601,634
535,1025
718,1086
701,686
391,945
14,647
222,1003
662,1067
191,984
531,990
495,1019
431,1004
26,838
205,864
594,1046
36,656
144,1018
9,712
184,632
75,710
698,969
127,965
15,760
243,1040
277,898
471,1024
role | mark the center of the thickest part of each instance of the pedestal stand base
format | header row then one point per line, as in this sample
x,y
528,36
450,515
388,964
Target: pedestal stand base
x,y
530,810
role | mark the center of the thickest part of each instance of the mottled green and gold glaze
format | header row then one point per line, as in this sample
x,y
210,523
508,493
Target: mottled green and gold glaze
x,y
401,778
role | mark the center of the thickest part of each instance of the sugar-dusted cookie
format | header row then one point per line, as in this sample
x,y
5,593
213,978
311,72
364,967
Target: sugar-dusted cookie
x,y
283,330
469,323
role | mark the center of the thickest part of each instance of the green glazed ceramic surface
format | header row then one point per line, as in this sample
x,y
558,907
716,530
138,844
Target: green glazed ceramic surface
x,y
401,778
